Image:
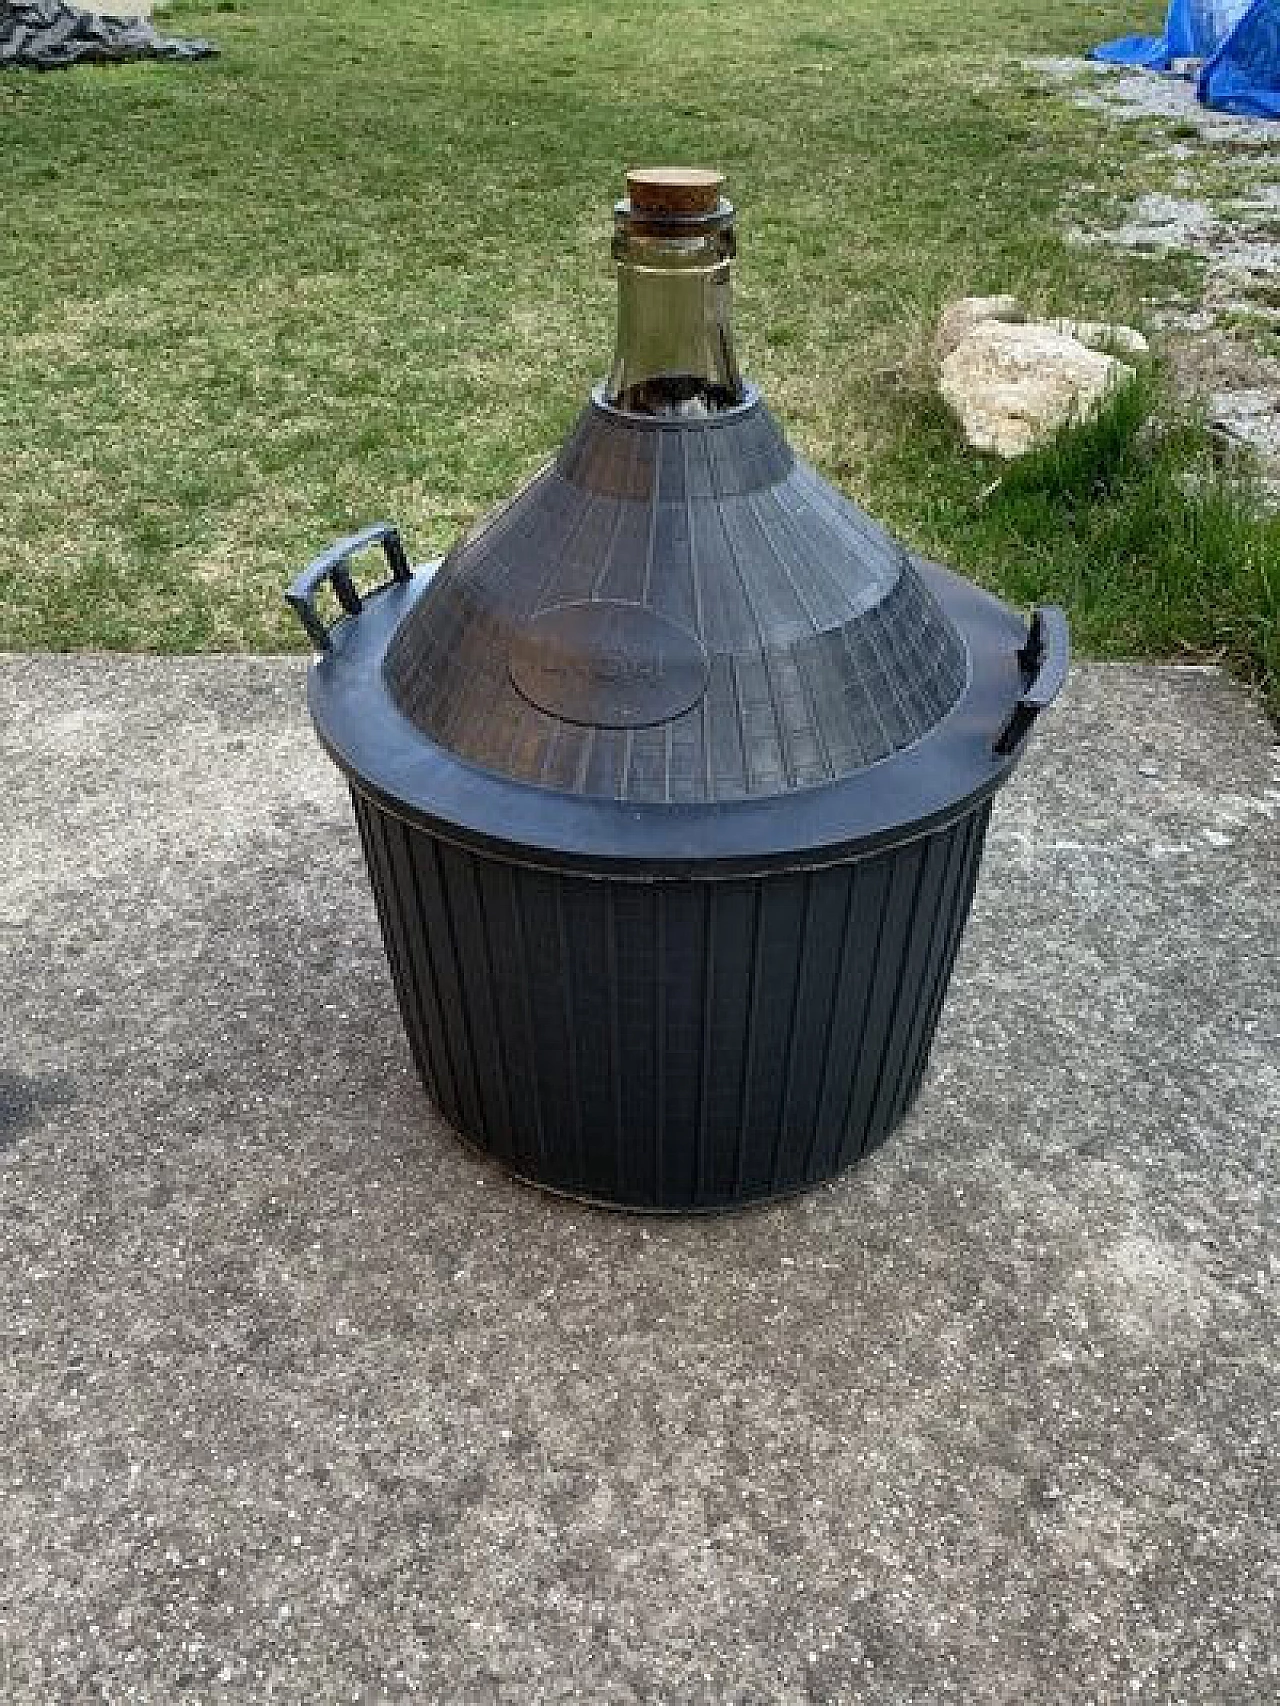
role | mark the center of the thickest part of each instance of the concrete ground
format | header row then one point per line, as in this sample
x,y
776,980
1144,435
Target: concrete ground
x,y
304,1402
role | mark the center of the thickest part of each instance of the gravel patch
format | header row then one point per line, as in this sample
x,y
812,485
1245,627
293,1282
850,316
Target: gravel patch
x,y
1162,224
1236,236
1253,417
1125,94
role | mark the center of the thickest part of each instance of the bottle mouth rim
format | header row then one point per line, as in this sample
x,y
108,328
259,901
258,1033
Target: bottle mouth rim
x,y
638,222
670,423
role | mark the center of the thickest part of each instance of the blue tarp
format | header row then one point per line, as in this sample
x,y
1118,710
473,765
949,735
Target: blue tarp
x,y
1235,45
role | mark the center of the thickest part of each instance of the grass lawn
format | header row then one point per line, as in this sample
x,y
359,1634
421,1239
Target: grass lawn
x,y
359,266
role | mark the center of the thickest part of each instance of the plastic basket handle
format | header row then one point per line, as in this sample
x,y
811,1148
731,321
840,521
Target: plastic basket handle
x,y
1045,659
331,566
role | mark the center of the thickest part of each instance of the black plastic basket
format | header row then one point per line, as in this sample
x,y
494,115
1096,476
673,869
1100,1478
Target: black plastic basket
x,y
671,1045
673,780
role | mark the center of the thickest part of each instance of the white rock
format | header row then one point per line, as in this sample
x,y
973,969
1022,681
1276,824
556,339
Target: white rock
x,y
1013,386
1101,334
959,319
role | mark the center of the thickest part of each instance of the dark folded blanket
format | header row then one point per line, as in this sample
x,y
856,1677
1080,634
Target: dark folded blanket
x,y
45,34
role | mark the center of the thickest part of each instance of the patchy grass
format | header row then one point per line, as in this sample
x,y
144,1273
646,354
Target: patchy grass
x,y
359,267
1128,522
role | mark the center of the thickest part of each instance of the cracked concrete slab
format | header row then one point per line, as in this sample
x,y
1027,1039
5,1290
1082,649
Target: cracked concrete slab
x,y
304,1402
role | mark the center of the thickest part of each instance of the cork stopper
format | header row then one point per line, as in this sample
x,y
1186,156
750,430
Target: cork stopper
x,y
685,191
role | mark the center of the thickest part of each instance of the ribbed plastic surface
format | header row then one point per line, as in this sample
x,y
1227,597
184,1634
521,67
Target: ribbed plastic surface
x,y
671,1045
802,645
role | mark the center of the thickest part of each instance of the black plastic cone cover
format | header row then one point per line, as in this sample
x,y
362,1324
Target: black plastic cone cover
x,y
676,645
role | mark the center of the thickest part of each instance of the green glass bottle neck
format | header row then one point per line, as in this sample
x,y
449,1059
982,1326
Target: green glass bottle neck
x,y
674,353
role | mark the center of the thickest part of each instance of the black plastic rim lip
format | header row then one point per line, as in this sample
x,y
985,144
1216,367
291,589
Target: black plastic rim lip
x,y
719,1209
910,793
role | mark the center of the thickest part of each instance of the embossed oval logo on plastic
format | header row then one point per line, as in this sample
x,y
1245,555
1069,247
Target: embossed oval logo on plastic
x,y
614,665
